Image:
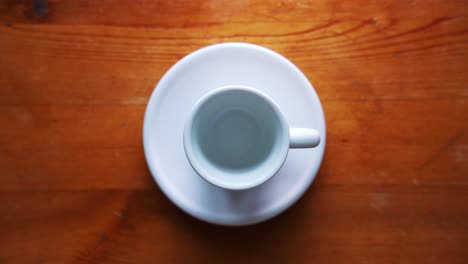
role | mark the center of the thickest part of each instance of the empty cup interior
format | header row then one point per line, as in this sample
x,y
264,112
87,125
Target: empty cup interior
x,y
238,138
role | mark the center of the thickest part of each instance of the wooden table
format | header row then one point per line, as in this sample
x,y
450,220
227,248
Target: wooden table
x,y
75,77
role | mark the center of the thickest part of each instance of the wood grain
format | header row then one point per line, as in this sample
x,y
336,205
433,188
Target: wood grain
x,y
75,77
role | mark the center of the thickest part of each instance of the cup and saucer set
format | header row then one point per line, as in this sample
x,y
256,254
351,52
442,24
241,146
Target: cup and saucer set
x,y
234,134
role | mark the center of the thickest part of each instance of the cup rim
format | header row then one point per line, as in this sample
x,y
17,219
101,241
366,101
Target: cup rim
x,y
199,169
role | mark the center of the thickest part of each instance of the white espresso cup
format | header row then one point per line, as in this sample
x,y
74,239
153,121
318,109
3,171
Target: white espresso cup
x,y
236,137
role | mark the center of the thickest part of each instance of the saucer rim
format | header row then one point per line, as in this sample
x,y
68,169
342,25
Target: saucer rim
x,y
174,197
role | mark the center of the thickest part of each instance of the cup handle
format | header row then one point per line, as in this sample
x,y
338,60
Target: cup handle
x,y
303,138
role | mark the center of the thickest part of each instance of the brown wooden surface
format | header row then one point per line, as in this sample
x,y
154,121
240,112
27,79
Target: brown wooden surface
x,y
75,77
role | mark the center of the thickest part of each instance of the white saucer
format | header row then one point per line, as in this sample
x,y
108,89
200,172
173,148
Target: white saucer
x,y
171,102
